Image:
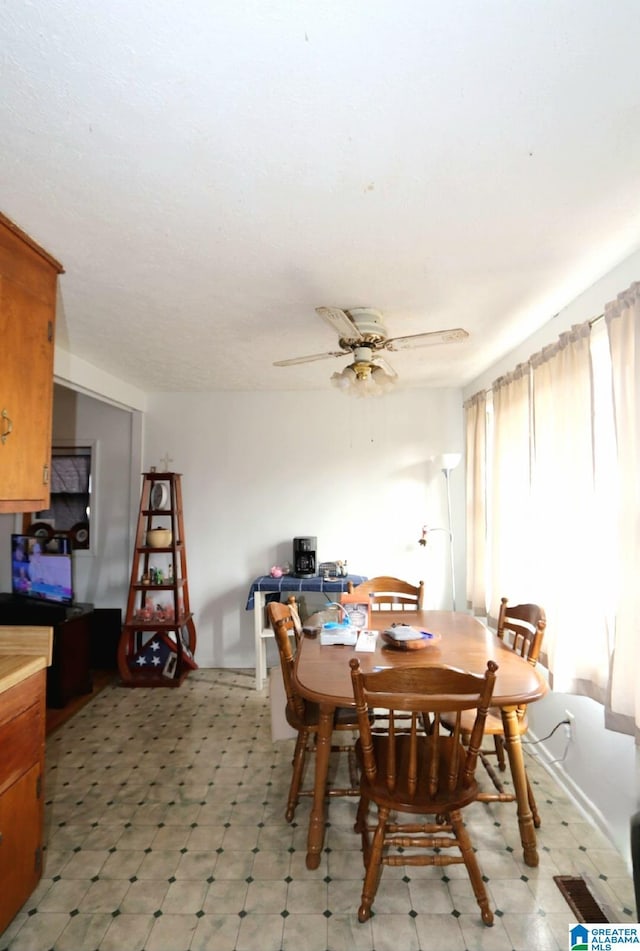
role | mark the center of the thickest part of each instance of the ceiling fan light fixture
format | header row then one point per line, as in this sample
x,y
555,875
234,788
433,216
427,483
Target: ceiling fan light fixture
x,y
383,380
363,380
362,370
344,379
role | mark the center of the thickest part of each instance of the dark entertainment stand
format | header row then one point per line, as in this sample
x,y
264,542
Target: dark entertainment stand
x,y
70,671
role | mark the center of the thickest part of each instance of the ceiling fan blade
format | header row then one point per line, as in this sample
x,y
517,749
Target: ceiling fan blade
x,y
314,356
427,339
340,321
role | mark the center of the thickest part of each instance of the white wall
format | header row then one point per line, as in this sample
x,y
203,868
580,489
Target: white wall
x,y
260,468
83,377
600,768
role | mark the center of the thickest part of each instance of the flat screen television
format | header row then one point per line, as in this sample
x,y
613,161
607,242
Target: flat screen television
x,y
42,568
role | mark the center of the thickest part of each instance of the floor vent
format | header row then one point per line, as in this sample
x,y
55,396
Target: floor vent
x,y
580,899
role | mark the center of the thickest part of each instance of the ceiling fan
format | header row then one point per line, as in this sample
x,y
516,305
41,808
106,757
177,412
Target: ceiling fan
x,y
362,333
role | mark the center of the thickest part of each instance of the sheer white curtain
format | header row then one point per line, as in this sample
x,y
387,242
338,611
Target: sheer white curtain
x,y
560,520
508,494
476,453
569,553
623,325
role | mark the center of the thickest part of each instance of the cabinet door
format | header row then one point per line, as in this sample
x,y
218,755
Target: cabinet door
x,y
69,674
20,843
27,314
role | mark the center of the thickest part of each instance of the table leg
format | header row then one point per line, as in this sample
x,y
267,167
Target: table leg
x,y
519,777
260,646
315,837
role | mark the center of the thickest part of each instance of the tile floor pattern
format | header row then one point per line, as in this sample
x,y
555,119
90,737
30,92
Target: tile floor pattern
x,y
165,832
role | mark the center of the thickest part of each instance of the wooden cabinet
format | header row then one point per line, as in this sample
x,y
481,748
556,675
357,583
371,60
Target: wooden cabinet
x,y
22,741
158,638
28,284
69,674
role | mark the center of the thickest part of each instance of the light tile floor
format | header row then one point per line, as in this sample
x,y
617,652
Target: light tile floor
x,y
165,832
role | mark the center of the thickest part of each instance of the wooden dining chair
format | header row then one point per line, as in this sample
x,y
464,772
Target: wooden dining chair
x,y
386,593
303,715
406,771
521,627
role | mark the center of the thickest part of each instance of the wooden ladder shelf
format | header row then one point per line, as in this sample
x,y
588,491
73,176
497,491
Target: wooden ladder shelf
x,y
158,639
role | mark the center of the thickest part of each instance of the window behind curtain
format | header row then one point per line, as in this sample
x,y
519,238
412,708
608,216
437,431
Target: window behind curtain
x,y
551,499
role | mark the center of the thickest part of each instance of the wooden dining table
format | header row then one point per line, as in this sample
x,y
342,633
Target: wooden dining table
x,y
322,675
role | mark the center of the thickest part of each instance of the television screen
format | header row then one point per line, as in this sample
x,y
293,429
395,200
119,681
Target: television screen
x,y
41,568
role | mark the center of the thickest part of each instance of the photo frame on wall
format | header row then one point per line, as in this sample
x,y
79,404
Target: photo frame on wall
x,y
358,610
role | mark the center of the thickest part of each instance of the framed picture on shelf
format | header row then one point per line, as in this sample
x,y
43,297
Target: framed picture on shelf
x,y
358,610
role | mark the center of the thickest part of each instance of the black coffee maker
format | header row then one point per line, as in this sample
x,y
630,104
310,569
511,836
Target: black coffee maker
x,y
304,556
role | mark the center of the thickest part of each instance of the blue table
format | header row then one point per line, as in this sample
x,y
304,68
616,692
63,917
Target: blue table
x,y
289,584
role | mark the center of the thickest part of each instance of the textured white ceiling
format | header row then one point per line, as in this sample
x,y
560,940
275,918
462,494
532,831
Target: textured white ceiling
x,y
210,172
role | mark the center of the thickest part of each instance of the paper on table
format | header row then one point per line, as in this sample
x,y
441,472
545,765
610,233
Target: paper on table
x,y
366,641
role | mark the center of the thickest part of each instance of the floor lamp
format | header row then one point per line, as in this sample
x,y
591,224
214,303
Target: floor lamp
x,y
448,462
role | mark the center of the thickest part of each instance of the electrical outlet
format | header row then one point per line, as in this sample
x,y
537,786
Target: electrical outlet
x,y
569,726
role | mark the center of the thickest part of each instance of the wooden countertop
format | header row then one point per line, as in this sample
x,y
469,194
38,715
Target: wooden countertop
x,y
23,651
15,668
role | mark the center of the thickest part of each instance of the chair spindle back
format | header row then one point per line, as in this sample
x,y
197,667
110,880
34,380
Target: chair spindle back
x,y
448,764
